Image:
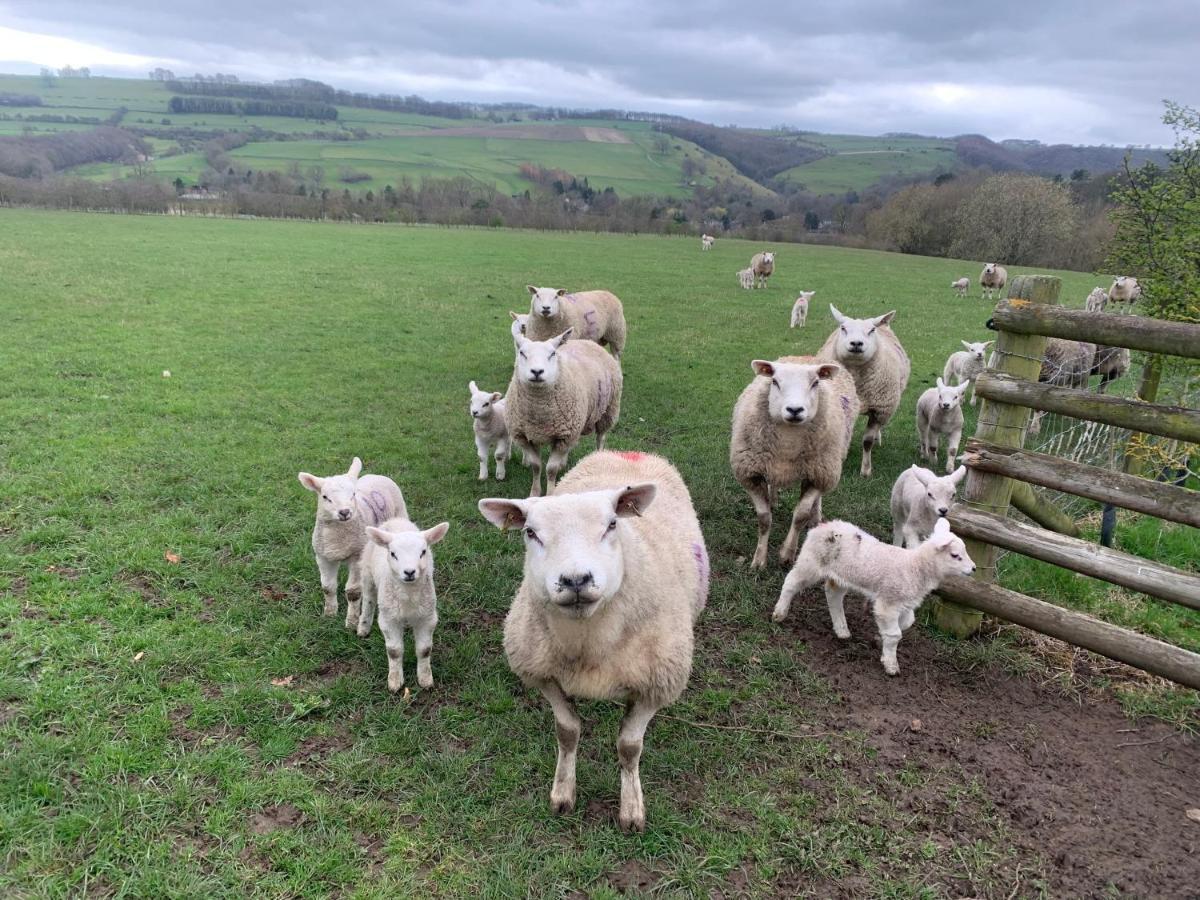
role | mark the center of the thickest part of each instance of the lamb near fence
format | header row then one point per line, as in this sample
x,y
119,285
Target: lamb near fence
x,y
896,580
919,499
992,280
800,309
1125,289
706,241
487,420
961,286
1065,363
560,390
762,264
346,505
939,414
1097,300
746,278
964,365
592,315
792,425
616,574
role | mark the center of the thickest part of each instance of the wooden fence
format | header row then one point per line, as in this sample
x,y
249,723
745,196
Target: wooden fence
x,y
1000,472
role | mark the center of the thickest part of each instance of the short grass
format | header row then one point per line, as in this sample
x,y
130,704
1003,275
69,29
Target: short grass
x,y
156,578
858,161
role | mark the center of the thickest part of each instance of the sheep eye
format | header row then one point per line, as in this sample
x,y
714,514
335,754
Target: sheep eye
x,y
816,381
392,555
775,383
553,353
486,405
955,556
531,534
423,552
325,498
522,354
612,526
872,331
930,496
844,330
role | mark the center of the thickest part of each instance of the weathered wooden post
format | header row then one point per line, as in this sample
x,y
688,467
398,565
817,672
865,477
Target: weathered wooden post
x,y
1004,424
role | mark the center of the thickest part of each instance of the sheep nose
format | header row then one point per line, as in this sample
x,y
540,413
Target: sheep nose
x,y
856,346
575,582
942,511
545,310
536,373
343,514
794,412
410,574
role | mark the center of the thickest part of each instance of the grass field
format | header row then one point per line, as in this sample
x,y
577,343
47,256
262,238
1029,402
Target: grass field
x,y
858,161
179,720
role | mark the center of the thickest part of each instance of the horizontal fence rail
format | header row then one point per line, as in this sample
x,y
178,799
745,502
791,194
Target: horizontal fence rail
x,y
1134,332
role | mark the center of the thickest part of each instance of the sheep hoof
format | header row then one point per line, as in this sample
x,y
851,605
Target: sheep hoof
x,y
892,671
395,684
330,608
363,631
633,823
425,681
843,635
562,805
777,616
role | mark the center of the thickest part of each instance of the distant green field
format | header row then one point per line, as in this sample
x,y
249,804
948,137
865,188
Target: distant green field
x,y
858,161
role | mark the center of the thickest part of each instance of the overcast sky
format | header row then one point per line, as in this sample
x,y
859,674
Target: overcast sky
x,y
1074,72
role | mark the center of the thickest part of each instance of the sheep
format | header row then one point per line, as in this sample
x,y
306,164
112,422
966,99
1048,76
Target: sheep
x,y
487,420
894,579
872,354
1065,363
346,505
939,412
1125,289
559,392
616,575
1110,363
398,577
706,241
992,280
919,499
800,308
520,322
746,278
762,265
1097,300
791,425
961,286
593,316
964,365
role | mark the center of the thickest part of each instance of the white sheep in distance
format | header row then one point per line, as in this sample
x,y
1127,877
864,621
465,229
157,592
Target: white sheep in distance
x,y
398,578
346,505
939,414
894,579
762,265
919,499
992,280
592,315
560,390
800,309
706,241
1125,289
875,359
961,286
746,278
487,421
964,365
616,574
792,425
520,322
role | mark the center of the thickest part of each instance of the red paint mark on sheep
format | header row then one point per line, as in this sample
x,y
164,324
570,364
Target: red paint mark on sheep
x,y
631,455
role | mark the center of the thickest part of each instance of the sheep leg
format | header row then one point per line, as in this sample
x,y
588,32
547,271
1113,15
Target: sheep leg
x,y
897,534
329,581
911,538
952,448
393,638
800,577
870,439
567,727
802,518
353,593
760,496
481,450
890,632
367,612
503,451
835,599
629,751
532,457
423,640
557,460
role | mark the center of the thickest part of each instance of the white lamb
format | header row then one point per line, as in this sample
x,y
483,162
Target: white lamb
x,y
1097,300
706,241
593,315
939,414
992,280
346,505
1125,289
398,576
746,278
520,322
964,365
762,265
487,419
894,579
919,499
961,286
800,309
616,574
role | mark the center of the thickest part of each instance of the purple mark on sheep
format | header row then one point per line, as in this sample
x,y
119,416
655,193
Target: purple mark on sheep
x,y
700,554
376,503
591,329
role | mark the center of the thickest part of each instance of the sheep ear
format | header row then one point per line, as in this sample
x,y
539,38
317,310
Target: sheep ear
x,y
885,318
503,513
312,482
633,500
837,316
531,289
562,338
962,388
379,536
561,292
516,317
436,533
471,386
988,343
923,475
958,474
828,370
355,468
941,384
942,528
762,367
967,345
496,395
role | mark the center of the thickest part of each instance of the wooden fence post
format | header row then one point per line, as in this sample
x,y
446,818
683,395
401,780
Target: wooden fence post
x,y
1004,424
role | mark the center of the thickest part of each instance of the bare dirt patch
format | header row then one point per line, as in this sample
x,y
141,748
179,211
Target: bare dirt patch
x,y
606,136
316,748
632,878
273,818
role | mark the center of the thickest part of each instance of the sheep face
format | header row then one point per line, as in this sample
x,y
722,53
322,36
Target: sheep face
x,y
989,268
977,349
950,397
857,338
574,555
537,361
408,551
519,321
545,301
335,494
482,401
768,258
952,558
939,492
795,393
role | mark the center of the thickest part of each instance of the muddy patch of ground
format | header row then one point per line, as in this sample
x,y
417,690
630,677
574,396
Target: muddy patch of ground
x,y
273,818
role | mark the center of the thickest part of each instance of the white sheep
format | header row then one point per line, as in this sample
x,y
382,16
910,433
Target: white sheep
x,y
346,505
800,309
992,280
875,359
1065,363
520,321
746,278
894,579
398,578
939,414
706,241
560,390
762,265
792,425
961,286
487,420
964,365
919,499
1125,289
616,574
1097,300
593,315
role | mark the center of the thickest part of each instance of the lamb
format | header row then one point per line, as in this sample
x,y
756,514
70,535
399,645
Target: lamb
x,y
961,286
992,279
1097,300
746,278
872,354
592,315
706,241
919,499
1125,289
520,322
1066,363
487,419
964,365
346,505
791,425
762,265
616,574
939,412
398,576
800,308
894,579
559,392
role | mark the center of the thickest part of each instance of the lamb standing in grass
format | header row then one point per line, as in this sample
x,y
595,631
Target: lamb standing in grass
x,y
398,576
762,265
961,286
992,280
746,278
939,414
592,315
346,505
616,574
487,419
560,391
706,241
873,356
800,309
894,579
791,425
964,365
919,499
